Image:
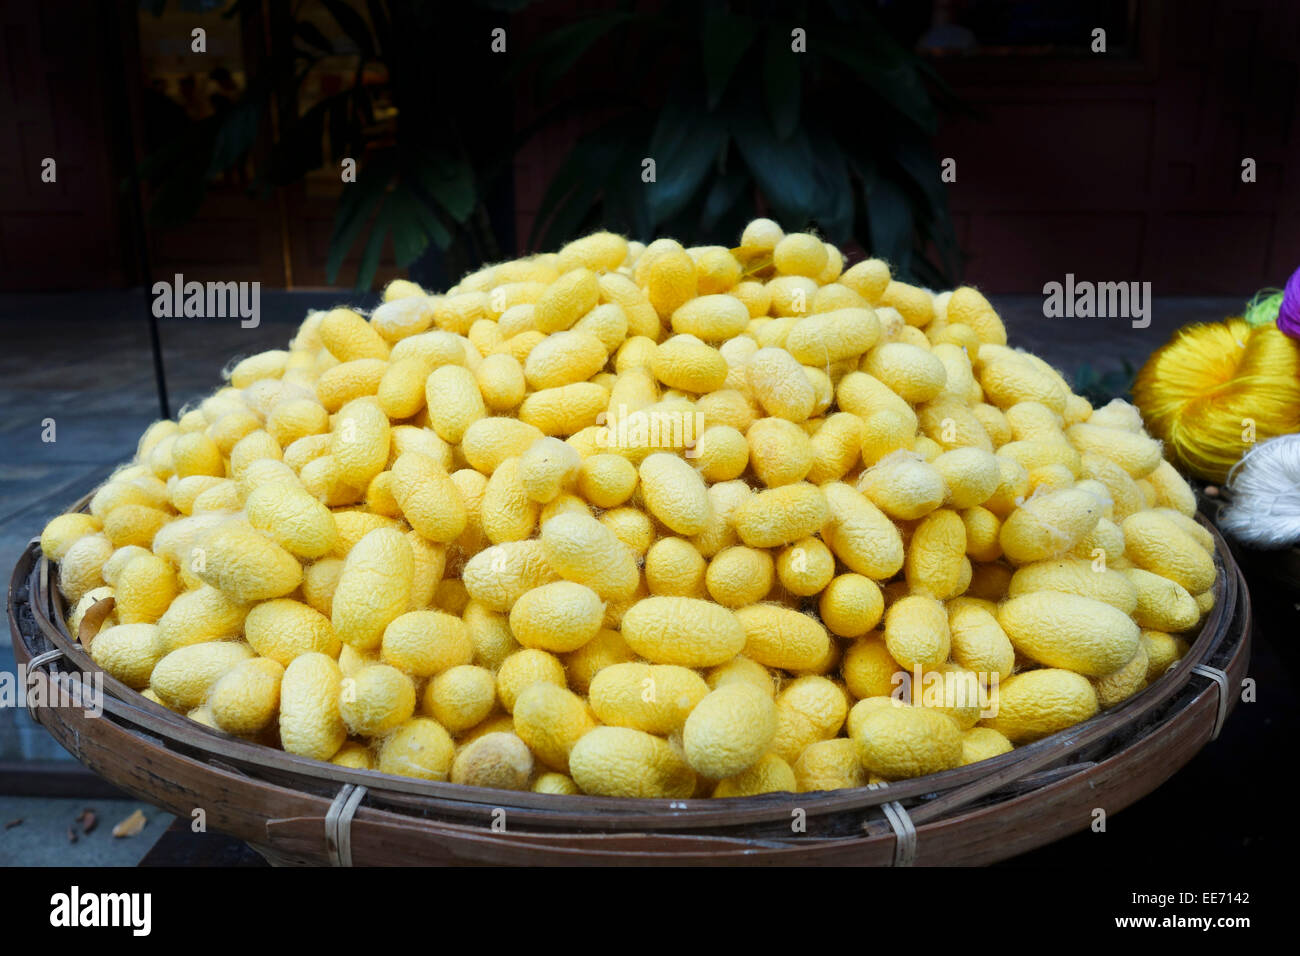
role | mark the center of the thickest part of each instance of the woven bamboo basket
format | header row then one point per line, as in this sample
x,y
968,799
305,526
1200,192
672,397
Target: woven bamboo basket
x,y
297,811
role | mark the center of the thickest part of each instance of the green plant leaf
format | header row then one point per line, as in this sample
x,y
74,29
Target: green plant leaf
x,y
779,167
724,40
891,225
684,144
556,53
782,82
450,181
311,34
410,238
353,25
884,67
374,249
355,207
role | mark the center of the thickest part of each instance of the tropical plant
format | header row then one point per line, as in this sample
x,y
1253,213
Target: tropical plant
x,y
419,179
739,122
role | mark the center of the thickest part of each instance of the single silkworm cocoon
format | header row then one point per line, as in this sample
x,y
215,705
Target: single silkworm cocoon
x,y
348,336
780,516
1163,651
982,743
1134,452
196,454
1034,421
899,743
433,348
566,300
914,304
1076,576
1059,629
565,410
829,765
622,762
800,254
832,336
134,524
419,748
524,668
454,401
911,372
144,589
1037,703
283,629
350,380
971,475
711,318
860,534
373,588
936,562
1197,531
507,513
685,362
656,698
401,390
728,731
917,633
581,549
608,323
200,615
130,652
1162,604
500,760
1049,525
558,617
183,677
780,637
978,642
904,487
851,605
1172,490
551,720
354,524
770,774
982,529
687,631
564,358
737,576
425,643
1160,545
400,318
460,697
607,480
836,447
245,564
458,312
498,575
1012,378
673,567
310,725
293,519
1123,683
501,381
805,567
375,700
675,493
808,709
490,441
246,698
722,453
780,451
780,385
548,468
64,531
669,279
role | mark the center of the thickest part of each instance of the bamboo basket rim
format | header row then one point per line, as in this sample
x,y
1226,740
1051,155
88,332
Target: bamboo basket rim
x,y
931,798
